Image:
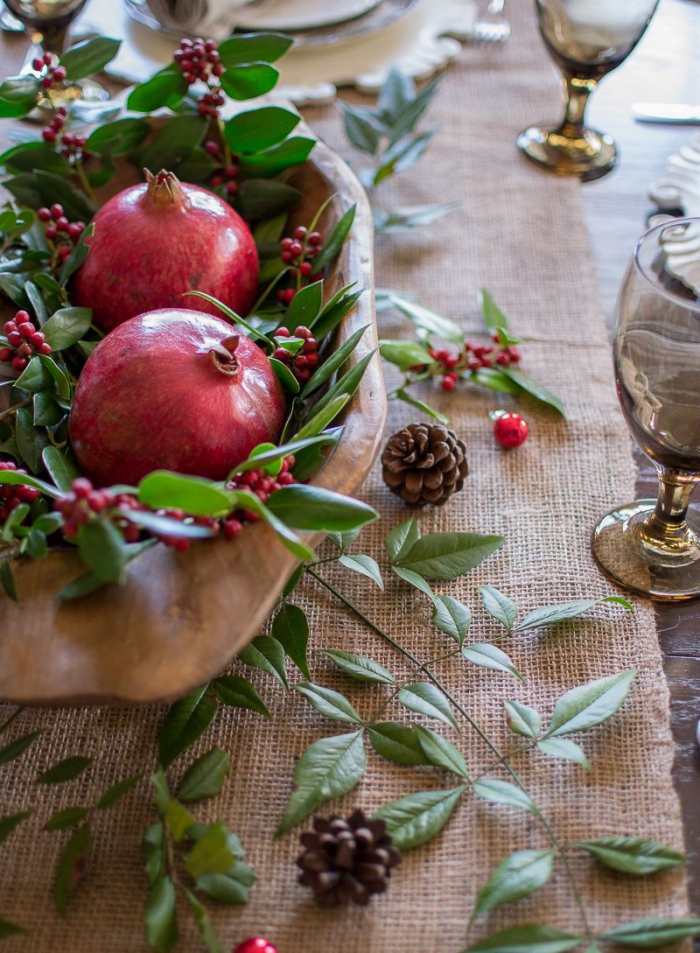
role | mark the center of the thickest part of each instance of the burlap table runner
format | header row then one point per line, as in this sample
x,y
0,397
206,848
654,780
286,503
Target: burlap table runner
x,y
519,233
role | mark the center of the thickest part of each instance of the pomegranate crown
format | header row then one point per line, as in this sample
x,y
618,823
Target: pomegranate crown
x,y
163,188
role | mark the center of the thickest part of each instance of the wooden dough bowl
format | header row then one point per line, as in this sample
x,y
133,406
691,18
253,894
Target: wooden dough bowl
x,y
181,617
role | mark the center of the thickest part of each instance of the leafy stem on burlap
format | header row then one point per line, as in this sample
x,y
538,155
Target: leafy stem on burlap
x,y
441,353
417,818
386,134
186,859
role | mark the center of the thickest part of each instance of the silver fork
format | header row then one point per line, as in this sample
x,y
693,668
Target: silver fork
x,y
492,26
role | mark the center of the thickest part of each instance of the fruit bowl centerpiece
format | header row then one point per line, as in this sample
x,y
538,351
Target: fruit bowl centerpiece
x,y
178,617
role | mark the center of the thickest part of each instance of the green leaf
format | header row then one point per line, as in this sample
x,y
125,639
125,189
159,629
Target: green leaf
x,y
186,721
178,820
647,934
8,580
205,776
238,692
80,252
9,822
249,80
343,540
448,555
18,96
66,770
116,792
14,478
89,57
329,768
102,549
253,48
503,792
411,216
212,854
34,377
452,617
333,363
549,615
360,128
340,305
166,88
54,188
270,457
315,508
428,320
416,580
490,656
523,720
284,375
296,546
563,748
335,240
632,855
426,699
347,384
395,95
401,540
266,654
397,743
118,137
499,606
46,411
174,143
30,442
262,198
66,326
329,703
518,876
291,152
404,354
82,586
17,747
152,850
360,668
533,388
160,915
167,525
256,129
441,752
365,566
71,866
231,887
416,819
195,495
527,938
8,929
291,629
589,705
494,319
401,155
67,818
305,306
201,918
494,379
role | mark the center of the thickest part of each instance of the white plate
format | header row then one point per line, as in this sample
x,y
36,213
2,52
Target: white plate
x,y
295,15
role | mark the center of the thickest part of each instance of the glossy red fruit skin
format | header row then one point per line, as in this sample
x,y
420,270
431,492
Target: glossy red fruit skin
x,y
151,397
151,245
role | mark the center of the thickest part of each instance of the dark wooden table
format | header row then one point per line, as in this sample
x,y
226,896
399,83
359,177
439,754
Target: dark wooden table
x,y
664,68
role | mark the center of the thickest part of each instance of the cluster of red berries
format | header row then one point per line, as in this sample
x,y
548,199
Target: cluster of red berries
x,y
226,174
60,233
12,496
263,485
198,59
299,252
472,357
306,358
24,340
50,75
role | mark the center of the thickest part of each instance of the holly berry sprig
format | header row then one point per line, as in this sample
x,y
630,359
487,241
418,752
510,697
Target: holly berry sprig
x,y
22,340
199,61
298,252
61,234
451,364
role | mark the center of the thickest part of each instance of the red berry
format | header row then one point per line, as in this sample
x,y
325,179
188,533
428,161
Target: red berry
x,y
81,487
305,269
216,181
37,339
5,354
282,354
515,354
45,349
56,211
48,59
312,359
48,135
47,82
44,215
315,239
26,329
211,147
62,111
289,295
302,332
450,361
217,69
287,257
296,249
503,358
449,382
75,231
282,333
14,338
38,64
232,528
510,430
51,232
60,73
231,188
300,233
301,361
286,244
19,363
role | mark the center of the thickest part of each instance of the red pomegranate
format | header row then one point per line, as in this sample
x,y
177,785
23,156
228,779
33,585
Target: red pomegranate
x,y
157,240
173,390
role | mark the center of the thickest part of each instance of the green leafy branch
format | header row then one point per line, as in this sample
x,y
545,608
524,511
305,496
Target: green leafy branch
x,y
387,133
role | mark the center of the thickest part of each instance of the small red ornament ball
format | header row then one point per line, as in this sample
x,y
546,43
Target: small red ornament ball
x,y
510,430
257,944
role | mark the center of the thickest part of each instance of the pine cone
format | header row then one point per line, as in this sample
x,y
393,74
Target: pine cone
x,y
424,463
346,860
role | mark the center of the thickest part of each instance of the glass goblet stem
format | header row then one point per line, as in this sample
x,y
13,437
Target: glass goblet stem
x,y
577,89
666,530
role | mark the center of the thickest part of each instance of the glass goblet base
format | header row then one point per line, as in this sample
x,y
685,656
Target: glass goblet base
x,y
621,552
588,154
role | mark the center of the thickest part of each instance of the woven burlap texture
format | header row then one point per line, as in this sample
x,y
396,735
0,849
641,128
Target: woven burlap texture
x,y
520,233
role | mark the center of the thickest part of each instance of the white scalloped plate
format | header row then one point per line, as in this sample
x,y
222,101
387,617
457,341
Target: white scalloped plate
x,y
679,188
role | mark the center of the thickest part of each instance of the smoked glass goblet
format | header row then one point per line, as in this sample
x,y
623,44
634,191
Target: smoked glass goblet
x,y
586,39
653,546
46,21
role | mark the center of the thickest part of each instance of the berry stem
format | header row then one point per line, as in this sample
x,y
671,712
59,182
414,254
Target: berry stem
x,y
78,166
222,136
13,410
